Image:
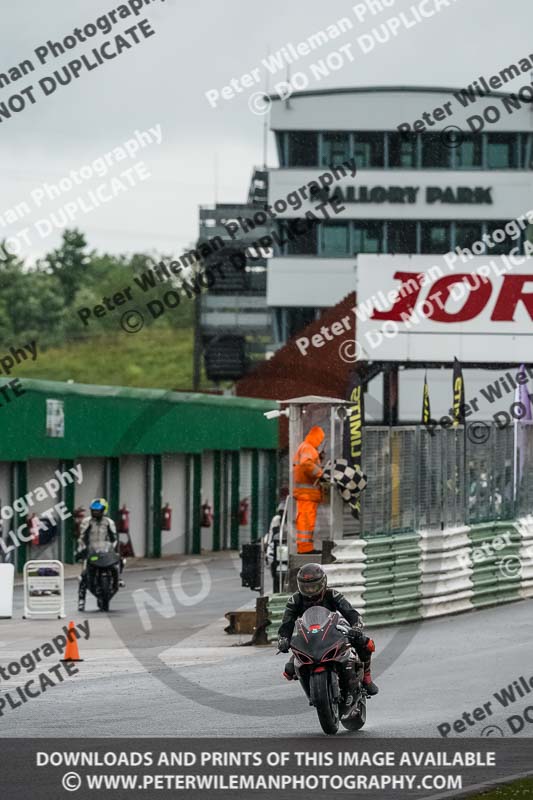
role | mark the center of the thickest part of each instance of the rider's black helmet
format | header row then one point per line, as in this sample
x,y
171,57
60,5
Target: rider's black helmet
x,y
98,508
312,581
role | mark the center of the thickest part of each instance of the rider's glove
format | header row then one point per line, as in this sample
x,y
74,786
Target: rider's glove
x,y
356,637
283,644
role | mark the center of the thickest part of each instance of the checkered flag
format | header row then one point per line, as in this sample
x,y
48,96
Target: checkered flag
x,y
350,482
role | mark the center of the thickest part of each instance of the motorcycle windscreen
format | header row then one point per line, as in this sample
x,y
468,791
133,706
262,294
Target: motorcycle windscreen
x,y
316,615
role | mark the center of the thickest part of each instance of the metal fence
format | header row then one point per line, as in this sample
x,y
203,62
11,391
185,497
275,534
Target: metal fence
x,y
421,479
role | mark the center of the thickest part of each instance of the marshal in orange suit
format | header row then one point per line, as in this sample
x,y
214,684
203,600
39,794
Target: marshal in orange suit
x,y
306,491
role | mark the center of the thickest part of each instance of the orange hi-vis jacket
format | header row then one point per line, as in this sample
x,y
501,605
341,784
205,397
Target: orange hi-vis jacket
x,y
306,467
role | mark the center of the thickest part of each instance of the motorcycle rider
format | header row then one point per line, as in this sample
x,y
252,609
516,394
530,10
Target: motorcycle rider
x,y
312,591
95,531
271,548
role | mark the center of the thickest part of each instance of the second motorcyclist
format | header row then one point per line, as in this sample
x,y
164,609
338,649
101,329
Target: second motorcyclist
x,y
96,531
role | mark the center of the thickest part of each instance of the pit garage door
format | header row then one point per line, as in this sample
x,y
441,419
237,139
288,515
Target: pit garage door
x,y
38,473
174,493
133,492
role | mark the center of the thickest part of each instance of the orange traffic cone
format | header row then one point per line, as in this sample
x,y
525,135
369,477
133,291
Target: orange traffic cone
x,y
71,650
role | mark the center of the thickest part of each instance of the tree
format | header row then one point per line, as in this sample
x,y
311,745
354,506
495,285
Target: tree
x,y
68,263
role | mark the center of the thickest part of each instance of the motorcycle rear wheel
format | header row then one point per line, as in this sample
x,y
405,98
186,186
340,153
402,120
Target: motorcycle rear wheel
x,y
326,706
356,717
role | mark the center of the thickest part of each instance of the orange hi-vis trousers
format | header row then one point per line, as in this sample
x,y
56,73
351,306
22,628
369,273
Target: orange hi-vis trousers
x,y
305,525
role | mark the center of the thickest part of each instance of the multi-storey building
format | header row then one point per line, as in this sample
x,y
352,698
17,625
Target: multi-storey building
x,y
443,184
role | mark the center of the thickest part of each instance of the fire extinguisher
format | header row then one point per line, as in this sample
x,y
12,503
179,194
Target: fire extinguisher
x,y
79,515
243,512
166,518
123,524
34,528
207,515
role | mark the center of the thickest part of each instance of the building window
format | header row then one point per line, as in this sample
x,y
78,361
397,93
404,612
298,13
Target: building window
x,y
466,233
281,147
501,248
335,148
435,153
436,237
401,237
403,150
527,150
469,153
300,240
502,150
298,318
303,149
367,237
335,239
369,150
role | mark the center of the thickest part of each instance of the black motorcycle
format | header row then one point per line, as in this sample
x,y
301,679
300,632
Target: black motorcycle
x,y
322,649
103,574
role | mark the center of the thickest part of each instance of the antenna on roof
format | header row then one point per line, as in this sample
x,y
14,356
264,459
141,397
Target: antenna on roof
x,y
287,100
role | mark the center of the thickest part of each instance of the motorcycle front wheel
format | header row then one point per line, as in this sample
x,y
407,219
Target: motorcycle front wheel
x,y
326,706
356,716
105,591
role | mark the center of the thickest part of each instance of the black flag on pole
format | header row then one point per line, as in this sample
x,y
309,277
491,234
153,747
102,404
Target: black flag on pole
x,y
458,394
353,435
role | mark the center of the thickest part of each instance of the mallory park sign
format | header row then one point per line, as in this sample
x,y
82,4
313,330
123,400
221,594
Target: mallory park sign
x,y
479,195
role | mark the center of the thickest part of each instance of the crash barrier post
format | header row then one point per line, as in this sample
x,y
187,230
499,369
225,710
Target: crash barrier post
x,y
429,573
7,580
44,589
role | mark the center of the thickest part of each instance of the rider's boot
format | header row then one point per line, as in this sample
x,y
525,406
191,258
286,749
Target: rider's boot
x,y
370,687
290,671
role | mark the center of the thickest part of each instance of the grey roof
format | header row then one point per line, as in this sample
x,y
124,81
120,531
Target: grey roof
x,y
371,89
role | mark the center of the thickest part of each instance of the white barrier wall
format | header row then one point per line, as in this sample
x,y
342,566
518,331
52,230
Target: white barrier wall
x,y
429,573
7,577
525,529
347,573
446,572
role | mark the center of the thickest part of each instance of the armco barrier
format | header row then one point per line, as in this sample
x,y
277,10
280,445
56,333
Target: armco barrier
x,y
392,579
495,563
413,576
446,572
525,554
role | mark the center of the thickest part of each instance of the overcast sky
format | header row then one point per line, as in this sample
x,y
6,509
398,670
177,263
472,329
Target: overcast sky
x,y
198,46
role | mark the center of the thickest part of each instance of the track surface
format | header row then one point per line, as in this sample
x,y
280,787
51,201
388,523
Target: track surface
x,y
182,677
